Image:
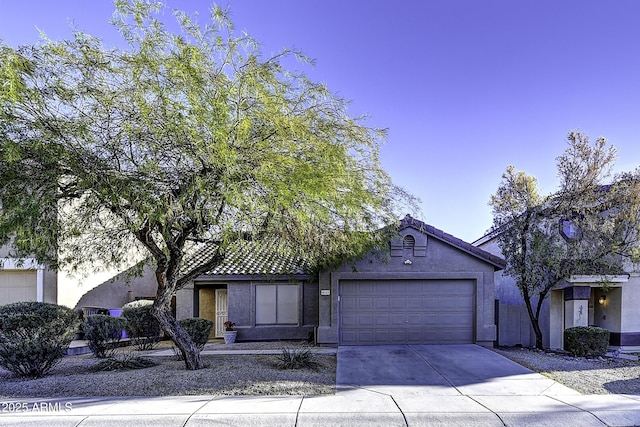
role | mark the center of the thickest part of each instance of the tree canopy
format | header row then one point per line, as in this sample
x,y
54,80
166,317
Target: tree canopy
x,y
180,139
589,225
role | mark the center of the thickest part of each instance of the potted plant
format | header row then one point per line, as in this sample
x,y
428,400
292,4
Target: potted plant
x,y
229,332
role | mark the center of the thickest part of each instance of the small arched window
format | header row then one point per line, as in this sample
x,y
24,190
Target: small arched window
x,y
408,244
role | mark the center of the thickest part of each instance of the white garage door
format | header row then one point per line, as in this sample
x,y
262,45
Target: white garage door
x,y
407,312
18,285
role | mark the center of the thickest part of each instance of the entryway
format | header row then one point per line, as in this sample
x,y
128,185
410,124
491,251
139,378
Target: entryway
x,y
213,305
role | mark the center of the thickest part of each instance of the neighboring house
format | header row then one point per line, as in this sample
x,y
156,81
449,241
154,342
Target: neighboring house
x,y
25,280
578,301
430,288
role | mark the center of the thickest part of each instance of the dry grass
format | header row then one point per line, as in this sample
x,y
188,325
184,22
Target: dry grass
x,y
223,375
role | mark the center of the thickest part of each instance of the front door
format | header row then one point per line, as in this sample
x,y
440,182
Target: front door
x,y
222,315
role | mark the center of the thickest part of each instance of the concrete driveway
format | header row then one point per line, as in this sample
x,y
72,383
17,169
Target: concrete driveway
x,y
439,370
456,385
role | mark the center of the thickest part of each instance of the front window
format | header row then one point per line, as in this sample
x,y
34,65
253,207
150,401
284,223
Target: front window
x,y
277,304
569,229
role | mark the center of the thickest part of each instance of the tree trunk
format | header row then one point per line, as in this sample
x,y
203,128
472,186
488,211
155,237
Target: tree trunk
x,y
180,337
534,323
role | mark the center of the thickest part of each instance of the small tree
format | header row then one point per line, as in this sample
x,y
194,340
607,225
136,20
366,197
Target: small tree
x,y
604,219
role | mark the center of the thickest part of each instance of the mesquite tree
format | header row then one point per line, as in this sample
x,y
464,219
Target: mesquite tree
x,y
180,139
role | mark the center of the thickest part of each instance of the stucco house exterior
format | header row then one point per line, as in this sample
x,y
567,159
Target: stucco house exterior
x,y
580,300
428,288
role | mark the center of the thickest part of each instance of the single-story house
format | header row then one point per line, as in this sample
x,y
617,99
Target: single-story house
x,y
25,280
577,301
428,288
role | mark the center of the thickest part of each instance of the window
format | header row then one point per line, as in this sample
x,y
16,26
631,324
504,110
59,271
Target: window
x,y
569,230
409,242
276,304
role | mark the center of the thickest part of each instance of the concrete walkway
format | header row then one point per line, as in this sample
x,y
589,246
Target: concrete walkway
x,y
376,386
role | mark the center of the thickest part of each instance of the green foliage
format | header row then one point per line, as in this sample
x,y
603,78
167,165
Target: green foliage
x,y
180,138
123,362
34,336
198,329
103,333
296,358
528,225
142,327
586,341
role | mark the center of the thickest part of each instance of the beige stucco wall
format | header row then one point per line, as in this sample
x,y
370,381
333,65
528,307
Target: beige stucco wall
x,y
117,291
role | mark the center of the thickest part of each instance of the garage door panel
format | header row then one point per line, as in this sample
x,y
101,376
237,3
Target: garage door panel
x,y
398,303
407,311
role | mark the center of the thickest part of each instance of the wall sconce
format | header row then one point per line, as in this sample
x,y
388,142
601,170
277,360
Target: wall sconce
x,y
407,262
602,299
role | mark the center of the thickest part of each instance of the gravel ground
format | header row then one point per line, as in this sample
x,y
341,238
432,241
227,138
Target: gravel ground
x,y
589,376
223,375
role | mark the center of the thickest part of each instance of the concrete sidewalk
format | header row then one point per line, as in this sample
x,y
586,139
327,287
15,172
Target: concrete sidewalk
x,y
383,386
352,407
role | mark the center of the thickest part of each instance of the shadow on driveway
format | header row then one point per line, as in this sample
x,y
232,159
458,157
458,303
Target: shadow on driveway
x,y
440,369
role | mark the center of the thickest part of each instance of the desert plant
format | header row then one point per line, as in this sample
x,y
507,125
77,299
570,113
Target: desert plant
x,y
123,362
586,341
34,336
198,329
142,328
296,358
103,333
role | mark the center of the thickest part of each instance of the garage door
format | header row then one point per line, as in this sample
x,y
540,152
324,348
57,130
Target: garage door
x,y
407,312
18,285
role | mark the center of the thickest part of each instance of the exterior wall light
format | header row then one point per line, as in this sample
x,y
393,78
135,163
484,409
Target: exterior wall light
x,y
407,262
602,299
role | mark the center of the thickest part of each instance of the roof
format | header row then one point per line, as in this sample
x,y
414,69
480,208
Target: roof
x,y
460,244
249,259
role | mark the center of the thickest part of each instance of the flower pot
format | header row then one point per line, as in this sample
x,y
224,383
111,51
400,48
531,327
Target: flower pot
x,y
230,337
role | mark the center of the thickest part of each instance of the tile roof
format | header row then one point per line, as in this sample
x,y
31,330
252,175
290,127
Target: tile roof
x,y
495,260
259,260
248,259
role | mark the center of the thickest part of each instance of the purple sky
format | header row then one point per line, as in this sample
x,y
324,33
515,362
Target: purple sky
x,y
464,87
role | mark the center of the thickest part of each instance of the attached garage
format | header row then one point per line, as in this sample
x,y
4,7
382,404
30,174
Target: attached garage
x,y
428,288
18,285
378,312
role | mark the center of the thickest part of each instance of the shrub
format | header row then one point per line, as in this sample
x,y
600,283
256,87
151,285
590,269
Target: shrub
x,y
34,336
586,341
103,333
198,329
296,358
143,329
124,362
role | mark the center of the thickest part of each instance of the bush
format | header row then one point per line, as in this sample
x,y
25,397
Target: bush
x,y
34,336
103,334
198,329
124,362
586,341
143,329
296,359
